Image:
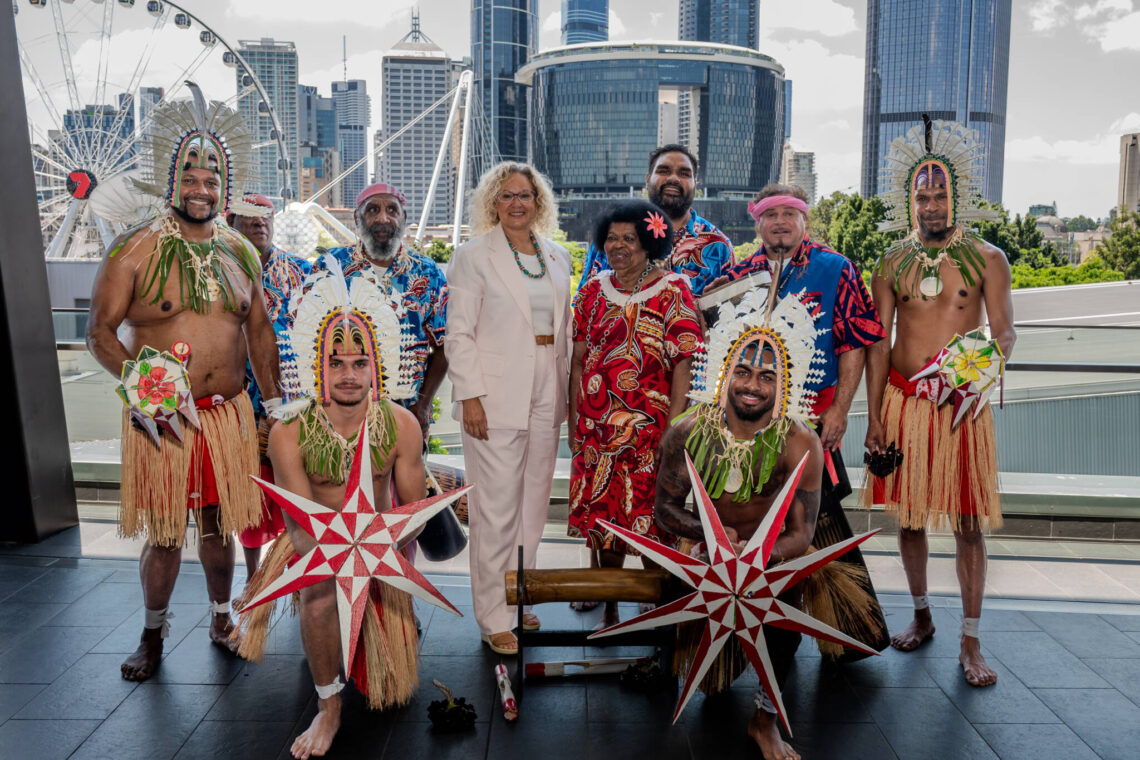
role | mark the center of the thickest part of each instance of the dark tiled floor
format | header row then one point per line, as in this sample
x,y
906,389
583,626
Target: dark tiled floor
x,y
1069,687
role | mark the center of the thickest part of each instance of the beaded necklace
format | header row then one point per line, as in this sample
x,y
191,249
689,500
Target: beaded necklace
x,y
537,252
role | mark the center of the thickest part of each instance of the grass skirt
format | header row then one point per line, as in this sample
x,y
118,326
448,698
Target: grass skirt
x,y
946,474
155,481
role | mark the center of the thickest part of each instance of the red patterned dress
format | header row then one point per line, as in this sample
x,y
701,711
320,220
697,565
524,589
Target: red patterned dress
x,y
632,346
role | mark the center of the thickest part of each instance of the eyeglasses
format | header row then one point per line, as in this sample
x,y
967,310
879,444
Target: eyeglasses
x,y
525,196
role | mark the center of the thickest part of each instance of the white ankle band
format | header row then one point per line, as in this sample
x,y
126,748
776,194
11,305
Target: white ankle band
x,y
334,688
921,602
220,608
764,703
970,626
159,619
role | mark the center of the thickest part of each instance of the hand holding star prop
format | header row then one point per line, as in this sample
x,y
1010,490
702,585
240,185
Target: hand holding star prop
x,y
354,546
736,595
156,388
968,367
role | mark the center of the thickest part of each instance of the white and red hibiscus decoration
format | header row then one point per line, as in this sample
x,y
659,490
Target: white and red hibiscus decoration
x,y
736,595
967,370
354,546
156,388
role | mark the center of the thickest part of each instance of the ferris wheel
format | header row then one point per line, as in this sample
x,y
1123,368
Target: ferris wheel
x,y
93,72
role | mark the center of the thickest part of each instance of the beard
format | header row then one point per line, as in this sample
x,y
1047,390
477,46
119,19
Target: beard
x,y
674,208
347,401
184,216
381,250
748,414
932,236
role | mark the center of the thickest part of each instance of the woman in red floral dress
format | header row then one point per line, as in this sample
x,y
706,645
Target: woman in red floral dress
x,y
635,333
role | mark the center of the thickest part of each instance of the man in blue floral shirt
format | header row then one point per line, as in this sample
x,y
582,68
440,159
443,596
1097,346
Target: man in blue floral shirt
x,y
381,218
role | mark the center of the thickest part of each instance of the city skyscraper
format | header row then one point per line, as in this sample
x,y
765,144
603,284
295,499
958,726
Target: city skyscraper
x,y
274,63
416,73
353,118
798,168
504,35
727,22
318,153
945,58
787,110
149,97
103,128
585,21
1128,194
317,118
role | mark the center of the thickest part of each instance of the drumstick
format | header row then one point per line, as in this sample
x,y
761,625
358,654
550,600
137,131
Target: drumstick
x,y
510,707
599,666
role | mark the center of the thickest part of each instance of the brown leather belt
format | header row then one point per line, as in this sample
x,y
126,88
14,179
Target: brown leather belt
x,y
544,340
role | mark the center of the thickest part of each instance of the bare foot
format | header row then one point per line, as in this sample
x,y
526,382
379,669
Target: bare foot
x,y
978,673
317,739
609,617
644,607
223,632
583,606
916,634
764,730
141,665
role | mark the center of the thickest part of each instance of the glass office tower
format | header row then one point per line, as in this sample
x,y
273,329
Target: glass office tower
x,y
585,21
946,58
729,22
504,35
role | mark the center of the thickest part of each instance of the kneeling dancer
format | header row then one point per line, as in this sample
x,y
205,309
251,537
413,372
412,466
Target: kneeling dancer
x,y
347,342
745,436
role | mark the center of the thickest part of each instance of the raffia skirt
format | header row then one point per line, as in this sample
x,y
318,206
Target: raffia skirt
x,y
947,474
211,466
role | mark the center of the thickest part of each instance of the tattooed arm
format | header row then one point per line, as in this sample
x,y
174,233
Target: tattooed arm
x,y
800,522
673,485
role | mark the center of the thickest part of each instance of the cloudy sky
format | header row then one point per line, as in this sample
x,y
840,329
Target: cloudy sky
x,y
1072,88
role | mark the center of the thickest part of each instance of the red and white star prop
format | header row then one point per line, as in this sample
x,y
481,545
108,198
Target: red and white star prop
x,y
354,546
736,594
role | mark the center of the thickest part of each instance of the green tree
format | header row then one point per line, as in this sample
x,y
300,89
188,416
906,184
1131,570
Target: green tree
x,y
1022,242
1121,251
820,215
1080,224
577,253
854,229
439,250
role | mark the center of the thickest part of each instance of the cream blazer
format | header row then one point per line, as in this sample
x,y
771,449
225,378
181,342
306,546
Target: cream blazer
x,y
490,335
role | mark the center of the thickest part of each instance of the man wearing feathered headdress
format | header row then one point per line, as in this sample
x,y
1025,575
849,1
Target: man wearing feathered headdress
x,y
345,366
939,283
745,434
182,293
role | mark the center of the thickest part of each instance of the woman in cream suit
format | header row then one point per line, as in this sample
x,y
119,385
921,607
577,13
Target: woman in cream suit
x,y
508,349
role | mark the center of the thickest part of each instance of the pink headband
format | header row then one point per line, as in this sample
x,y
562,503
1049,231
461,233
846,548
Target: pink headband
x,y
380,188
757,209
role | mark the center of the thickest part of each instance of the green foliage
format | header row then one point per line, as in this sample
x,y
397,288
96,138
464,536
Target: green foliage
x,y
1080,224
820,216
435,446
439,250
744,250
577,253
854,229
1093,270
1020,239
1121,251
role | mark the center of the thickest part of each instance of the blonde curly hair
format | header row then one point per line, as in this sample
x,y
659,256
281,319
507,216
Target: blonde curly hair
x,y
485,215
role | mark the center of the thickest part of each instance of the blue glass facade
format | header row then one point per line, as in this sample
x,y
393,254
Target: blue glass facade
x,y
727,22
946,58
595,114
585,21
504,35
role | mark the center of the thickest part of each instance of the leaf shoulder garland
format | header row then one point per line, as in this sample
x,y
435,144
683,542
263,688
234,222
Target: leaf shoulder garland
x,y
716,453
202,272
914,261
329,454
